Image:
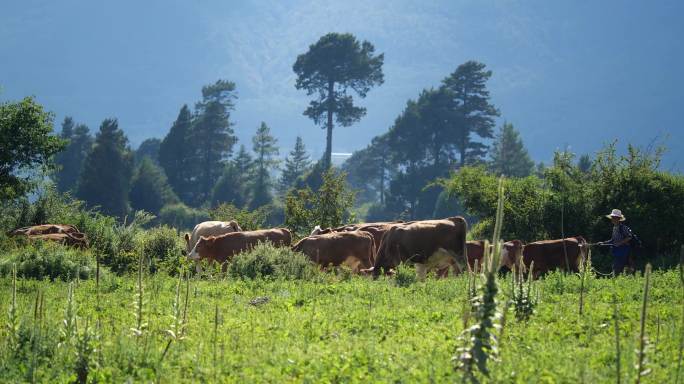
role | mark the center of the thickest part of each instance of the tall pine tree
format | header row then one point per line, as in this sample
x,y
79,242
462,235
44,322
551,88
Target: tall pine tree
x,y
106,176
334,65
296,164
509,156
212,136
265,148
70,160
176,155
475,114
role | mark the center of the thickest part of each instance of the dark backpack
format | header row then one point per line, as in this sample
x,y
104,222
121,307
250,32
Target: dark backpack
x,y
627,232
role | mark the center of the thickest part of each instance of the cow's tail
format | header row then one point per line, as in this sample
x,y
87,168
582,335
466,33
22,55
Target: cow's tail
x,y
372,249
381,254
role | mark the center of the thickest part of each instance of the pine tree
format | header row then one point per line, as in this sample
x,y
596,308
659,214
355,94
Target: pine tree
x,y
233,185
177,157
212,137
296,164
508,154
265,148
331,67
106,175
70,160
148,148
150,190
474,113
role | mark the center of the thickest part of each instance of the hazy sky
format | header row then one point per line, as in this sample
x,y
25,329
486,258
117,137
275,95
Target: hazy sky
x,y
566,73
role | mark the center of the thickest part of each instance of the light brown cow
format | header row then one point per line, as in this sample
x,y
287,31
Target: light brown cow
x,y
510,251
45,229
223,248
428,244
377,230
565,254
209,228
60,233
352,248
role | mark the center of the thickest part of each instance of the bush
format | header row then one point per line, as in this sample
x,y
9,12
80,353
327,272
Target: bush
x,y
330,206
181,216
265,260
42,260
652,200
161,247
405,275
248,220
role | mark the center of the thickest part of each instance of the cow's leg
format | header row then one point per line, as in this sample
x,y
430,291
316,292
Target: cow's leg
x,y
421,271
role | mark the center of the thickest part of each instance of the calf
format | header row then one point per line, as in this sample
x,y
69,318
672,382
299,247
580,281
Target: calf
x,y
222,248
547,255
209,228
352,248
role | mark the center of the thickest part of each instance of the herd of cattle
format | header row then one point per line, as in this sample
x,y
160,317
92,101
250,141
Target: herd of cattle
x,y
367,248
374,248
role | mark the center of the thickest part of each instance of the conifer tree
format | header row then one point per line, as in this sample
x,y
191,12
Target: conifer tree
x,y
70,160
177,157
296,164
265,148
233,185
150,190
474,113
212,137
508,154
106,175
334,65
148,148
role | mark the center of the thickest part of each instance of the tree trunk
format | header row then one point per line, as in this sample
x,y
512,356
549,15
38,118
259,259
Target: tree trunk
x,y
328,138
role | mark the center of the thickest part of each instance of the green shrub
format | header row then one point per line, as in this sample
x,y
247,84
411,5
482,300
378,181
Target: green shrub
x,y
42,260
405,275
330,206
161,247
181,216
266,260
248,220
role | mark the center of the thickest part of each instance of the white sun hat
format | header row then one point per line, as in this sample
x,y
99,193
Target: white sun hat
x,y
616,213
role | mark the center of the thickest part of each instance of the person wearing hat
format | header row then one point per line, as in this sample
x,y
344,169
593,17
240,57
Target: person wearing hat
x,y
619,241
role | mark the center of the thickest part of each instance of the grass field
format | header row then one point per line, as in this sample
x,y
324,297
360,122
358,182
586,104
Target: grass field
x,y
332,328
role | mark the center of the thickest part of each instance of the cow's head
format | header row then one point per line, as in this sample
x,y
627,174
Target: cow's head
x,y
236,227
510,253
198,249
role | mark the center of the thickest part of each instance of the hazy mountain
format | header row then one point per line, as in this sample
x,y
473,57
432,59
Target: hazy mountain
x,y
572,73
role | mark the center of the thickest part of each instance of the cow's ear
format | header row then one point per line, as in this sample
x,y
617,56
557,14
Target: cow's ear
x,y
187,238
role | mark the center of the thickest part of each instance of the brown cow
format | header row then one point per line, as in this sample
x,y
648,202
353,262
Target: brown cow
x,y
353,248
428,244
77,239
550,254
377,230
509,253
222,248
44,229
61,233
